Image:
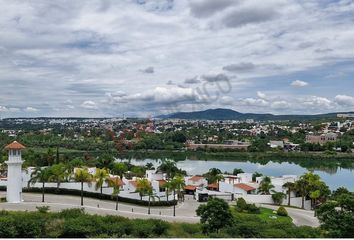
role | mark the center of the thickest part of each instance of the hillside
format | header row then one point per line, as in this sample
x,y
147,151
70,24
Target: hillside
x,y
228,114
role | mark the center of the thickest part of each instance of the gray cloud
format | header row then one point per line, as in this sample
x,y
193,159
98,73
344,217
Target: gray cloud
x,y
247,15
207,8
148,70
193,80
216,78
240,67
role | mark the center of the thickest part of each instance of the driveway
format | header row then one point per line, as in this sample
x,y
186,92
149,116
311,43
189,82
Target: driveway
x,y
300,217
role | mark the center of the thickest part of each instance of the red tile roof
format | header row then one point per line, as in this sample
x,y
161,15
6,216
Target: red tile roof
x,y
190,187
15,146
244,187
162,183
196,178
213,185
118,181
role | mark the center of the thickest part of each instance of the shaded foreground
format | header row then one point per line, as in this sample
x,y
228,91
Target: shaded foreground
x,y
76,223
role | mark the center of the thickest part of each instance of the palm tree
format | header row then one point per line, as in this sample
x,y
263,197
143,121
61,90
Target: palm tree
x,y
179,185
40,175
291,187
151,196
265,186
116,184
143,187
173,187
168,187
101,176
169,167
58,173
83,176
301,187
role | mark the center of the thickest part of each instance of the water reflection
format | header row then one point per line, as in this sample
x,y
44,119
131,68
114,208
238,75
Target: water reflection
x,y
334,175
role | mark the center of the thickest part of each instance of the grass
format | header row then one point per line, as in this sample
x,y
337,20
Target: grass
x,y
265,214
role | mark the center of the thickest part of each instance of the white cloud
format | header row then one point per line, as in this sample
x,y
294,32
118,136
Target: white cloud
x,y
344,100
89,105
299,83
31,109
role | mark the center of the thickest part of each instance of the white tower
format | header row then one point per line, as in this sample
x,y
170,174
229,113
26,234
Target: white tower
x,y
14,173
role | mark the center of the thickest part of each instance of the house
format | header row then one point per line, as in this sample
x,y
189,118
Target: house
x,y
276,144
321,139
194,182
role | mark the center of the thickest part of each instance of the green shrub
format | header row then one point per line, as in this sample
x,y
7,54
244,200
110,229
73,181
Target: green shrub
x,y
282,212
241,205
71,213
252,208
43,209
29,225
7,227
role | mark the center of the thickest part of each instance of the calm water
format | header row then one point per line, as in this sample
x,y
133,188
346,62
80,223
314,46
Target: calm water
x,y
334,178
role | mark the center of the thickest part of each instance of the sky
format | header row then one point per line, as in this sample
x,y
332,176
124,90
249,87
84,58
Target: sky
x,y
143,58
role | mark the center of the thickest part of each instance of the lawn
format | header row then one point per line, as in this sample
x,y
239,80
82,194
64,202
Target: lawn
x,y
265,214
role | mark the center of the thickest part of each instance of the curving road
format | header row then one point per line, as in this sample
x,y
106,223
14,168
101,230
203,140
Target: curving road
x,y
300,217
185,212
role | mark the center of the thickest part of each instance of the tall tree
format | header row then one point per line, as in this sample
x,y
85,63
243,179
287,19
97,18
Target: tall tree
x,y
215,215
116,184
82,175
101,176
265,186
58,173
290,187
42,175
179,184
301,187
169,167
119,169
143,187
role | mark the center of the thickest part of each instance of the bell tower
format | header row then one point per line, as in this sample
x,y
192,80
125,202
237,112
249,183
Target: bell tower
x,y
14,172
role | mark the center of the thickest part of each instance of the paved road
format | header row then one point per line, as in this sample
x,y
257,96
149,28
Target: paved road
x,y
300,217
185,212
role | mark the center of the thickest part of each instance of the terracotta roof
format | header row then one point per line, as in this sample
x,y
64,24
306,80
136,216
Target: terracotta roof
x,y
244,187
15,145
162,183
190,187
196,178
118,180
213,185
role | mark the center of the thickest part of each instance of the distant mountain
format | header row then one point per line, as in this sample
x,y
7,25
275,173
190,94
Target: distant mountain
x,y
228,114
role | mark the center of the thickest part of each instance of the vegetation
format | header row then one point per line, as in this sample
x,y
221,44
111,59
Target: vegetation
x,y
282,212
337,215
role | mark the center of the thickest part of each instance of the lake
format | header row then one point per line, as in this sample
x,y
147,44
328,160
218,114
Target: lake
x,y
334,177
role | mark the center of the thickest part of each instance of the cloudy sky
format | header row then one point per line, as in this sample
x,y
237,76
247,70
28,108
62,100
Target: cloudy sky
x,y
150,57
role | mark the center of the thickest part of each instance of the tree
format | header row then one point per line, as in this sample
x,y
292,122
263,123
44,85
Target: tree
x,y
149,166
105,161
169,167
278,197
116,184
337,217
40,174
237,171
265,186
255,175
291,187
214,175
119,169
143,187
58,173
179,184
83,176
301,187
101,176
215,215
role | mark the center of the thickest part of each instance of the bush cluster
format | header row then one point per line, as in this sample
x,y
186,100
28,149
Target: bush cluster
x,y
74,223
242,206
282,212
